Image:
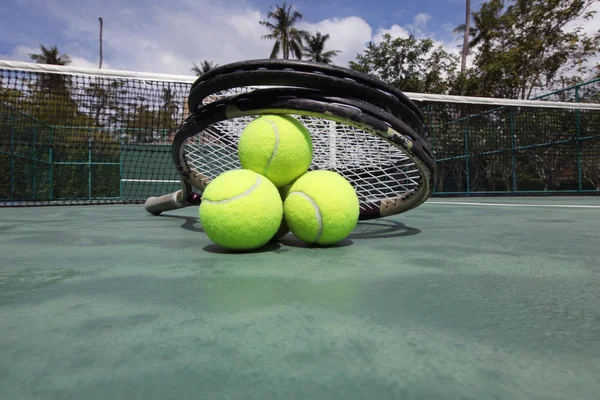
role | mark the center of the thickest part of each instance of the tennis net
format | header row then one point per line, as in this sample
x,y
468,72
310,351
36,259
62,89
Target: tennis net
x,y
82,136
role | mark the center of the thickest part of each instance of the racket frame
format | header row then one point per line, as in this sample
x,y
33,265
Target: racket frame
x,y
303,102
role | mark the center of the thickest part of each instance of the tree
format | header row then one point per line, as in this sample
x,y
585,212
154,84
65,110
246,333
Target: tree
x,y
314,49
52,83
288,39
204,67
526,45
168,110
475,35
104,102
409,64
50,56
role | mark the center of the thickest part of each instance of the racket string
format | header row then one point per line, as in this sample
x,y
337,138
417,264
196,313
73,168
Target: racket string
x,y
377,169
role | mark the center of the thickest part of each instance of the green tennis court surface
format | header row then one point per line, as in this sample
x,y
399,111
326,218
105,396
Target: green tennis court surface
x,y
449,301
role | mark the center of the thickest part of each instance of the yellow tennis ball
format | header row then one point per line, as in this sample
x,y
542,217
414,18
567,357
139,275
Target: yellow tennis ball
x,y
321,208
241,210
276,146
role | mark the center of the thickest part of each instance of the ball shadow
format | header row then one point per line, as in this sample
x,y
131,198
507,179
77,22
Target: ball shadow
x,y
382,229
216,249
292,241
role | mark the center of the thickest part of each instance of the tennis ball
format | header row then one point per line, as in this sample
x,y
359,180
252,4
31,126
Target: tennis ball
x,y
241,210
321,208
276,146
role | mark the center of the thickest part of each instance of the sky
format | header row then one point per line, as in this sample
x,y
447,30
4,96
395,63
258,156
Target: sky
x,y
159,36
167,36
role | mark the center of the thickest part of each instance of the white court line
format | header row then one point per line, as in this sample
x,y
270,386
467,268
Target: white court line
x,y
464,203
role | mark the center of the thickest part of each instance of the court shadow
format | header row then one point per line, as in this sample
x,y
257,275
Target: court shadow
x,y
216,249
190,223
381,229
292,241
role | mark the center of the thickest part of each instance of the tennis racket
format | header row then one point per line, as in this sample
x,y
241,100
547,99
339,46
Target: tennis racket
x,y
361,128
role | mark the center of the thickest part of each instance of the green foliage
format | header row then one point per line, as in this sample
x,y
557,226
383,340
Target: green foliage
x,y
204,67
526,46
410,64
145,125
314,50
58,132
518,47
50,56
103,102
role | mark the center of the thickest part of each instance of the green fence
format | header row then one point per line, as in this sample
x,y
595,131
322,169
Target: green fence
x,y
481,148
44,163
490,149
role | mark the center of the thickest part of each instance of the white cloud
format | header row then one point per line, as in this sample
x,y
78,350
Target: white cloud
x,y
419,28
591,26
168,37
20,53
80,62
395,31
350,35
420,23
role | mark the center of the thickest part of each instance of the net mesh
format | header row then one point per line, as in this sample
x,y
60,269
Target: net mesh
x,y
517,149
72,136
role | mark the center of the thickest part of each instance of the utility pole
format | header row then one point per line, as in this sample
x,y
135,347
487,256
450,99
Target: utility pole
x,y
465,48
100,19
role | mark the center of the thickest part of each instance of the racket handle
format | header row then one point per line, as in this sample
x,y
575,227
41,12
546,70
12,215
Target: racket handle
x,y
167,202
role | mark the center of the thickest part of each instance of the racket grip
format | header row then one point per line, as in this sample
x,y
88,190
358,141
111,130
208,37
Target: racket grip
x,y
167,202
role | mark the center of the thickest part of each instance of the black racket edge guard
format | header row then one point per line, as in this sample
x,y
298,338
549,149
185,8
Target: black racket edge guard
x,y
332,85
289,73
217,111
311,67
302,93
308,100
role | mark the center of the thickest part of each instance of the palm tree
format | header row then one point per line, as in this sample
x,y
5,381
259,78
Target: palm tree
x,y
314,49
169,103
205,66
50,56
474,33
52,83
288,39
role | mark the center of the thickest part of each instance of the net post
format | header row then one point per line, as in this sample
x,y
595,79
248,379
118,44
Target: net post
x,y
89,141
578,136
512,149
51,162
431,135
468,181
12,154
120,166
34,180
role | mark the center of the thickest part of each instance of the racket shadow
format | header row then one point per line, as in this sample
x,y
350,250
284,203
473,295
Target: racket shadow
x,y
373,229
381,229
190,223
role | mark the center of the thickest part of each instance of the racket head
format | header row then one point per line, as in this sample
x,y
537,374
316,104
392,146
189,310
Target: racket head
x,y
386,161
307,74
